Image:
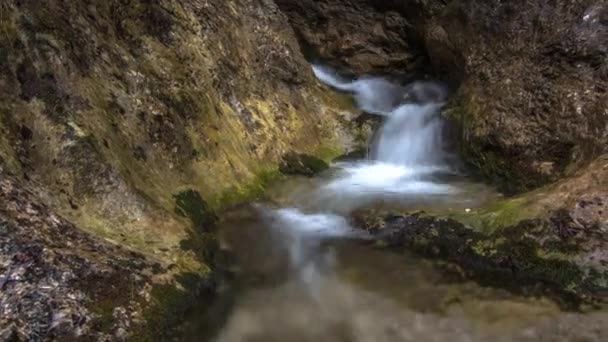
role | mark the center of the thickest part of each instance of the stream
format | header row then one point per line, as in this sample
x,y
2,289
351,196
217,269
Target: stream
x,y
303,273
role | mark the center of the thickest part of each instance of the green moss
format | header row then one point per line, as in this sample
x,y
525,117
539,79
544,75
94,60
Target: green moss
x,y
302,164
253,190
7,154
328,152
170,304
202,238
8,32
499,213
114,293
191,205
335,99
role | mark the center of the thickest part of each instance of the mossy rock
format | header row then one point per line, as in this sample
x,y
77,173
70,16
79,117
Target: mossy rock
x,y
527,259
302,164
191,205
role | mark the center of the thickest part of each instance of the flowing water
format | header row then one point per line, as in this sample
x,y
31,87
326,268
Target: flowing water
x,y
302,273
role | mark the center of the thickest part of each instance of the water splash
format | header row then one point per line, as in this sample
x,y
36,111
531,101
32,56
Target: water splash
x,y
385,179
302,234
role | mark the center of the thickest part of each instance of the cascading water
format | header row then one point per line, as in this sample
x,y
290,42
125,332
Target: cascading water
x,y
411,136
406,153
372,94
408,150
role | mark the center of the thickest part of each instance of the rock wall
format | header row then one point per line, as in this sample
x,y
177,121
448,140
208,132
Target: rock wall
x,y
533,85
114,107
135,119
352,34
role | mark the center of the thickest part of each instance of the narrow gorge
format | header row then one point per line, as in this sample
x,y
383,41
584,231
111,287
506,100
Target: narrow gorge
x,y
299,170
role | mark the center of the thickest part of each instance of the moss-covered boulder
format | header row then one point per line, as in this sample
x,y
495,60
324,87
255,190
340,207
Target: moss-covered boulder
x,y
534,257
302,164
532,95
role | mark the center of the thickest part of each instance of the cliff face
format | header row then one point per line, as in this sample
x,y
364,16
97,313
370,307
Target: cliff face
x,y
133,120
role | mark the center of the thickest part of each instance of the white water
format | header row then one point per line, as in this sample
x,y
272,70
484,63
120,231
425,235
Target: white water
x,y
409,148
411,136
378,178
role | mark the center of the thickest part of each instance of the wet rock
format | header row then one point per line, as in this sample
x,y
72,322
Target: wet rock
x,y
532,109
107,116
533,257
302,164
114,111
353,32
58,282
358,154
373,221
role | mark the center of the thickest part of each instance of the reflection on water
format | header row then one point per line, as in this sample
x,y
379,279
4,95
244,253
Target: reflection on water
x,y
347,289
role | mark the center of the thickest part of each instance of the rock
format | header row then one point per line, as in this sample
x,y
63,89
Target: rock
x,y
302,164
113,112
107,116
354,34
59,282
9,333
532,89
358,154
369,219
530,258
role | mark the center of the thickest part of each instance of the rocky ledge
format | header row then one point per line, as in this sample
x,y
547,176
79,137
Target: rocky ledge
x,y
563,256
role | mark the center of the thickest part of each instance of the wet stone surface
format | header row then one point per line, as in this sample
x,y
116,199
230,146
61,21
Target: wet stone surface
x,y
57,282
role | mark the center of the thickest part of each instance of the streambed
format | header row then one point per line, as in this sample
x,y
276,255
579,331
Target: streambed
x,y
303,272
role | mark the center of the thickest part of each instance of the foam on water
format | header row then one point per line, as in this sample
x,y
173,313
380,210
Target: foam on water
x,y
378,178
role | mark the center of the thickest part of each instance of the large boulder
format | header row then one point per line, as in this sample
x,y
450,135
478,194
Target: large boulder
x,y
110,108
533,96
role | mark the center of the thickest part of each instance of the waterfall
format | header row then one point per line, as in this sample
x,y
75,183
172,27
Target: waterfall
x,y
411,136
408,148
